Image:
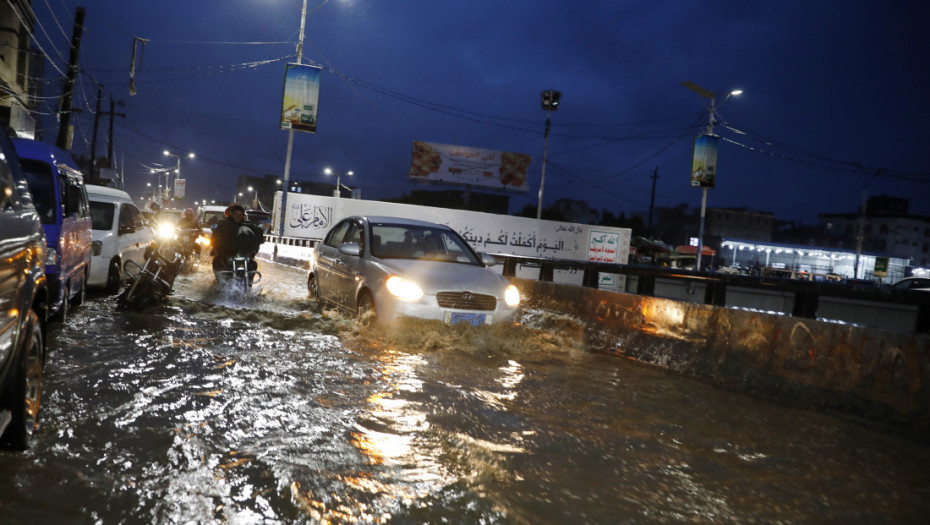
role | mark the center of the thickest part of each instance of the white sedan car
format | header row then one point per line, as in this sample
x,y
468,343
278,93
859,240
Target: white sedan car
x,y
390,267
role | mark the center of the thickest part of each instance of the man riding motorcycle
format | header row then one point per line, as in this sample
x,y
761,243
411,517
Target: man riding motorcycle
x,y
188,221
234,237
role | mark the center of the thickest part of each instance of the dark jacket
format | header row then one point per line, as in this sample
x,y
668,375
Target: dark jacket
x,y
231,238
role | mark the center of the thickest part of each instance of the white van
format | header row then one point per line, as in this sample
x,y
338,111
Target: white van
x,y
120,235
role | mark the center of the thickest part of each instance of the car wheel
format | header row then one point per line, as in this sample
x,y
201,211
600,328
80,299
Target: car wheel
x,y
113,277
25,390
367,313
313,288
82,293
61,316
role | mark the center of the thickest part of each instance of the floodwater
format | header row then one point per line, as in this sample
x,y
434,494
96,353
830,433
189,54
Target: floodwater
x,y
218,410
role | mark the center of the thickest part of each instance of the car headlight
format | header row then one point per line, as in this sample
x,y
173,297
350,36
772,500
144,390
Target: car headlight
x,y
51,257
512,296
166,230
403,289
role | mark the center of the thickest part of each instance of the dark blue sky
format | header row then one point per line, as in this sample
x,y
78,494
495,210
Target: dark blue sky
x,y
827,85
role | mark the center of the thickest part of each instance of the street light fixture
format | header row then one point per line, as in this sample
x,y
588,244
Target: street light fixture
x,y
710,132
255,199
338,192
550,103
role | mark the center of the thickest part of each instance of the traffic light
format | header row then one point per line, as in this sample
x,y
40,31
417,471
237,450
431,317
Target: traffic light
x,y
550,100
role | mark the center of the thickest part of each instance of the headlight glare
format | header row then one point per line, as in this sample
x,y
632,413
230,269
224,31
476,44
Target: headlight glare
x,y
166,230
512,296
403,289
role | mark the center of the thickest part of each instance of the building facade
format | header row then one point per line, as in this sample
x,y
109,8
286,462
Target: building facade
x,y
17,68
887,228
677,226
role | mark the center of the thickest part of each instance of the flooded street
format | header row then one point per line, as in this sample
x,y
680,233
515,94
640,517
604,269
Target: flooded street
x,y
212,411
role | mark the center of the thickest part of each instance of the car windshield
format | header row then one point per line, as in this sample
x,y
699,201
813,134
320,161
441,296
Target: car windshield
x,y
102,215
41,180
400,241
169,215
211,218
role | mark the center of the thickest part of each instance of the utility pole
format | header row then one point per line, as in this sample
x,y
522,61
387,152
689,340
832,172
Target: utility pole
x,y
110,147
94,178
652,201
64,126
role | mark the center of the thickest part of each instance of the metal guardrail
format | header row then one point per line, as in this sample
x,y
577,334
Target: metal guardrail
x,y
806,296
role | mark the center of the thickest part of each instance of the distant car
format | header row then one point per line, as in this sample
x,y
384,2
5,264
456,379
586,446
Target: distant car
x,y
913,283
259,217
120,236
23,296
59,195
389,267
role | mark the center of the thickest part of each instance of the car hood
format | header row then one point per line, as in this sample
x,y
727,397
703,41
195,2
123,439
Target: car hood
x,y
433,276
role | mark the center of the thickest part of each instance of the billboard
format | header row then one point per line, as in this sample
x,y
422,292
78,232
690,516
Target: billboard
x,y
704,161
301,97
311,216
502,170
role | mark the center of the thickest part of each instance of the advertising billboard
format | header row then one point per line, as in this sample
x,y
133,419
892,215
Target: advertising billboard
x,y
470,166
301,97
704,161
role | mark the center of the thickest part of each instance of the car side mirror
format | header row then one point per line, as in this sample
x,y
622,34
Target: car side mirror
x,y
350,248
487,259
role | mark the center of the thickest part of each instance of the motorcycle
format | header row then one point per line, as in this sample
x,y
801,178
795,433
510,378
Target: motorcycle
x,y
154,279
190,241
240,275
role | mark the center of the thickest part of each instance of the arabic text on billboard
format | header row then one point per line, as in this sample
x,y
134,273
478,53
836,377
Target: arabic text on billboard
x,y
704,161
301,96
471,166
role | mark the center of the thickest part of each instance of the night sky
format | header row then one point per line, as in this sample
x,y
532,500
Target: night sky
x,y
834,94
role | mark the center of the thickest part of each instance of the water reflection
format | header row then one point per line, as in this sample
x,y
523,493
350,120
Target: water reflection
x,y
280,412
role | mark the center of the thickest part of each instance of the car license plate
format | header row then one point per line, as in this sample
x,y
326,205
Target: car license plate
x,y
472,319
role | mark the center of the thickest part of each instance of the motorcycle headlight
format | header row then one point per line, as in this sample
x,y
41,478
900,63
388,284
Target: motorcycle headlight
x,y
403,289
166,230
203,241
512,296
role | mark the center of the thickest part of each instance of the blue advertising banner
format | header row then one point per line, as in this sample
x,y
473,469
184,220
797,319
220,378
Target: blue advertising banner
x,y
301,96
704,161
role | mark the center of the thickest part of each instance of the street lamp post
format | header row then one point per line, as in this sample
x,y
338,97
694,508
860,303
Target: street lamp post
x,y
550,103
290,132
338,191
177,169
710,131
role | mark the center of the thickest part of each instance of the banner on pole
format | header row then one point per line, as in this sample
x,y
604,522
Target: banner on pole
x,y
704,161
301,97
180,185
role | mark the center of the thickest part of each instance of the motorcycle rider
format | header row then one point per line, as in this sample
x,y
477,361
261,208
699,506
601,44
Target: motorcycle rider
x,y
188,221
234,236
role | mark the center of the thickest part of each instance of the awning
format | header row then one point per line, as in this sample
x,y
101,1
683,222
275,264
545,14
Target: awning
x,y
692,250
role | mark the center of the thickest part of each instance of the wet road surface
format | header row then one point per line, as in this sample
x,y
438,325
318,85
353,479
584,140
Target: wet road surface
x,y
214,410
